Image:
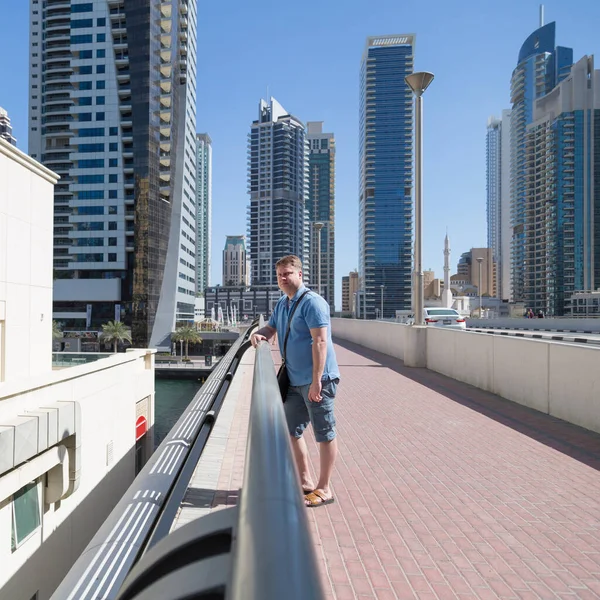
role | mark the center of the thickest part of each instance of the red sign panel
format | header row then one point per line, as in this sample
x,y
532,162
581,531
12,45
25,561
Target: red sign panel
x,y
141,426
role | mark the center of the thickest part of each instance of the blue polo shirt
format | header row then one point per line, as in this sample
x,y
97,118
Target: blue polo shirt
x,y
312,313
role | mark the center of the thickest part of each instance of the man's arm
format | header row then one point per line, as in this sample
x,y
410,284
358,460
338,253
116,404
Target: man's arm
x,y
262,335
319,356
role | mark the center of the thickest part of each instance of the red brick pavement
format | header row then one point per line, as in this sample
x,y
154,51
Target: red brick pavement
x,y
445,491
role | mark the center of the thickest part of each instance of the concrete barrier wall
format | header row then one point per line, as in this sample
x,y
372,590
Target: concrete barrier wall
x,y
562,324
556,378
574,385
521,371
382,336
468,357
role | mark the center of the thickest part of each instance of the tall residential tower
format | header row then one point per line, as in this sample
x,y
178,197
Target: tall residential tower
x,y
386,174
540,67
278,187
321,209
562,188
203,210
498,199
112,111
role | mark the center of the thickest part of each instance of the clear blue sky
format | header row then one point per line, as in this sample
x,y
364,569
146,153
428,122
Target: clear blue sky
x,y
308,54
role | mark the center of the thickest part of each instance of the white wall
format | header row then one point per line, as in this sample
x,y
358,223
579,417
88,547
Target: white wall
x,y
26,233
556,378
107,391
382,336
574,385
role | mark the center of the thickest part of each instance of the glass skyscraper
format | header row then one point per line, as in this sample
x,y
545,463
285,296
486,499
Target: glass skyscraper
x,y
386,174
112,111
540,67
278,187
321,208
562,190
203,210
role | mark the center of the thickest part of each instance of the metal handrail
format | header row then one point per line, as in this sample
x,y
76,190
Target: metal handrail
x,y
145,513
260,550
273,555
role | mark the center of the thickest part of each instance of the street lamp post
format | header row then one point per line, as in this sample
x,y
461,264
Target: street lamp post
x,y
318,226
382,288
480,260
418,83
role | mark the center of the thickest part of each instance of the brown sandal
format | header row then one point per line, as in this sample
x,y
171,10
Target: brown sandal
x,y
317,498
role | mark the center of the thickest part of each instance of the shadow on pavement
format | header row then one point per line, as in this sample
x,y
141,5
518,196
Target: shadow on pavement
x,y
576,442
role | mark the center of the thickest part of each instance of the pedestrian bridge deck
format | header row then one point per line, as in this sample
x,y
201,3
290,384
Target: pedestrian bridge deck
x,y
442,490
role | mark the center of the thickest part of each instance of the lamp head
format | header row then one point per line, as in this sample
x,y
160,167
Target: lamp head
x,y
419,82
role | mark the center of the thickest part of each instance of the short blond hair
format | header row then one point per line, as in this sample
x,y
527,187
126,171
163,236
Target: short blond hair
x,y
291,260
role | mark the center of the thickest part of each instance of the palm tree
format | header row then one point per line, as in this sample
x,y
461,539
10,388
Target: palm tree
x,y
176,337
187,334
56,330
115,332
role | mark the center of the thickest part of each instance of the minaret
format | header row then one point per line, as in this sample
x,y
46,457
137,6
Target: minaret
x,y
447,293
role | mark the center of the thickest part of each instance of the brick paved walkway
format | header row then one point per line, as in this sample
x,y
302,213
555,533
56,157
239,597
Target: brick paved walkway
x,y
445,491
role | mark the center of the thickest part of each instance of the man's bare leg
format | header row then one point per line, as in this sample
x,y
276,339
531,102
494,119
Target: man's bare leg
x,y
327,454
301,456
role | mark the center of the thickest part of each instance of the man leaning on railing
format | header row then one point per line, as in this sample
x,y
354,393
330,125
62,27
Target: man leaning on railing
x,y
313,373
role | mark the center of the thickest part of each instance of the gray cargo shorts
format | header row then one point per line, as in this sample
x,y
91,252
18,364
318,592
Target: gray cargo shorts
x,y
300,411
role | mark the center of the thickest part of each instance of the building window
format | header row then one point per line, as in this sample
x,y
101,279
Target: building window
x,y
112,257
100,100
101,37
26,518
101,22
81,39
78,8
100,116
112,225
100,85
113,178
113,147
81,23
101,53
100,68
113,131
113,162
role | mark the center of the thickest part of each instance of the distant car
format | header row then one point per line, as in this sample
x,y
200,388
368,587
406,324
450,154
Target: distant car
x,y
441,317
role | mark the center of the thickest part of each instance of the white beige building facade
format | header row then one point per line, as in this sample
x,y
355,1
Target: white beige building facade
x,y
71,437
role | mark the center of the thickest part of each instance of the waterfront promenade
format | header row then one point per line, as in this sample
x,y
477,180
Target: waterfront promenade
x,y
443,490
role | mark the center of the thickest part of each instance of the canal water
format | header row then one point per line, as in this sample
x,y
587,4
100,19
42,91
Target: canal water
x,y
172,396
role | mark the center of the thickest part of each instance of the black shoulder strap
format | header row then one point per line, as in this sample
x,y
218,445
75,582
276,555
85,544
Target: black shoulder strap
x,y
287,333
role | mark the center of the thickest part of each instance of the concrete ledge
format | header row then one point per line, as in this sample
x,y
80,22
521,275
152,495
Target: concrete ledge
x,y
560,324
